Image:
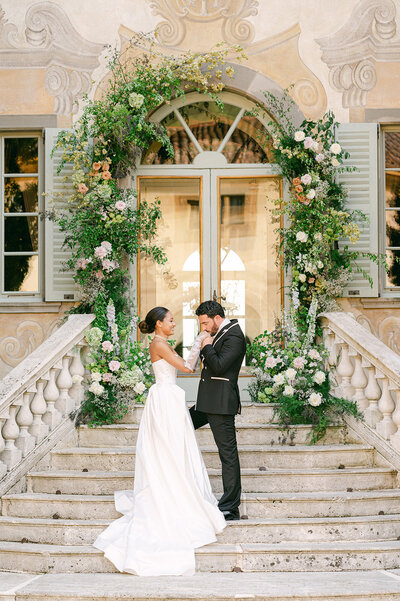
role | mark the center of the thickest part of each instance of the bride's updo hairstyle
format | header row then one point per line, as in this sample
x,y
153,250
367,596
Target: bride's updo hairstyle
x,y
148,325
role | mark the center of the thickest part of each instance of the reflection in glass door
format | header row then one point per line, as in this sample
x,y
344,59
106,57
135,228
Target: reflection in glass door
x,y
249,278
177,284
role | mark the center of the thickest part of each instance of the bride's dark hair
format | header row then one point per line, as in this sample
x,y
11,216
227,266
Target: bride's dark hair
x,y
148,325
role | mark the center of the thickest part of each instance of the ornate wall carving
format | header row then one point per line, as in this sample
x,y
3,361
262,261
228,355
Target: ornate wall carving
x,y
368,37
236,28
50,42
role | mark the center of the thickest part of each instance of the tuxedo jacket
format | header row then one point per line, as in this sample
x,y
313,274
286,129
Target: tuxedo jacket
x,y
218,388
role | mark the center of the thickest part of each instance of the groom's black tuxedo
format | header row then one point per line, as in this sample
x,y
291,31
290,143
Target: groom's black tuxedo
x,y
218,402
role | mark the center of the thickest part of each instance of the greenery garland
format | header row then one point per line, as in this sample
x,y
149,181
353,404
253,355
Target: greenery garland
x,y
104,229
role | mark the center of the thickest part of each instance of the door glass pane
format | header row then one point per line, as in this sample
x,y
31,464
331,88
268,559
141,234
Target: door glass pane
x,y
21,194
175,285
20,155
250,279
21,234
21,273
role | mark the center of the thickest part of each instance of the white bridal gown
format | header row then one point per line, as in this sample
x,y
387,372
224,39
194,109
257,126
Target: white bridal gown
x,y
171,510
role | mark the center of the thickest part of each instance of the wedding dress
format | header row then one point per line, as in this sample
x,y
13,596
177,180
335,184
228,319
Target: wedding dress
x,y
171,510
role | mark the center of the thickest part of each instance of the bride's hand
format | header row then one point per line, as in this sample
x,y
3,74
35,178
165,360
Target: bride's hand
x,y
206,340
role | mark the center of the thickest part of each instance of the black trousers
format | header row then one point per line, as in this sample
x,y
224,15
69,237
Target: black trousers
x,y
224,432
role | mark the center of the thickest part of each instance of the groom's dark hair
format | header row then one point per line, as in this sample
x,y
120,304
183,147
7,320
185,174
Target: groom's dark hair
x,y
210,308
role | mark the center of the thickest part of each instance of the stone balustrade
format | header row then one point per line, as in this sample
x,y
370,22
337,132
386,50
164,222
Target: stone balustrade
x,y
364,369
37,396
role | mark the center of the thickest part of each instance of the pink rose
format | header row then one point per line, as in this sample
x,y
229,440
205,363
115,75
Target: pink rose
x,y
104,216
314,354
114,365
82,188
115,264
299,362
108,265
107,245
107,377
308,142
99,275
306,179
319,158
107,346
270,362
100,252
311,280
120,205
82,263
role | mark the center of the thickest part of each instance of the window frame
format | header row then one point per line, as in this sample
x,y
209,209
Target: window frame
x,y
24,297
385,291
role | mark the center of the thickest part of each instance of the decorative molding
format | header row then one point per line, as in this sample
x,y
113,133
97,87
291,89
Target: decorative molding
x,y
29,335
50,41
369,36
387,330
235,27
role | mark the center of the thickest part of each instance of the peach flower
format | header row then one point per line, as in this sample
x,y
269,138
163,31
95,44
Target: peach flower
x,y
106,166
299,188
82,188
106,175
296,181
96,166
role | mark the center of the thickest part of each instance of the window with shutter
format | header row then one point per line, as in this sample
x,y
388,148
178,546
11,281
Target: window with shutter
x,y
391,207
59,283
361,141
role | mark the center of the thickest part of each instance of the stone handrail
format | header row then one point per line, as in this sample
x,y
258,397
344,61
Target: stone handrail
x,y
364,369
36,398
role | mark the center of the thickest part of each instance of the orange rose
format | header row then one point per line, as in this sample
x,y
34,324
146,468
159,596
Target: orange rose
x,y
299,189
106,175
96,166
82,188
106,167
296,181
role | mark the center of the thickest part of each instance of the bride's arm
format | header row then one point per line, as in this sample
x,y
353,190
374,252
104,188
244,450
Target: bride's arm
x,y
194,352
162,350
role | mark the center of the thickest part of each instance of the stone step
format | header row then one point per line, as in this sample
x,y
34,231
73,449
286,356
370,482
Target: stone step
x,y
257,413
255,505
72,482
271,586
261,530
121,435
249,557
251,456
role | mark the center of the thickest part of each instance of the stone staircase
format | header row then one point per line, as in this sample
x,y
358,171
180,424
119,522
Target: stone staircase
x,y
331,507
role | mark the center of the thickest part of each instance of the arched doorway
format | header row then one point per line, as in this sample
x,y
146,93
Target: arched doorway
x,y
216,228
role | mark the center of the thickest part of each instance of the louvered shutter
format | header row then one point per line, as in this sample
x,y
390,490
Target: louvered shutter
x,y
59,284
361,141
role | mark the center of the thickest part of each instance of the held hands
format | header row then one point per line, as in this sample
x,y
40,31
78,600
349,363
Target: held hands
x,y
206,339
195,351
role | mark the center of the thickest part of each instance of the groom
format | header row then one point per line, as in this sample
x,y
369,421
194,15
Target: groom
x,y
218,396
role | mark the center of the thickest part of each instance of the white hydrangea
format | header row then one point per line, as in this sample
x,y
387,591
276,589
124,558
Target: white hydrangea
x,y
315,399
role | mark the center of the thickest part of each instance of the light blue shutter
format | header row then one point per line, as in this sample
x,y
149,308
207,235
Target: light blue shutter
x,y
59,284
361,141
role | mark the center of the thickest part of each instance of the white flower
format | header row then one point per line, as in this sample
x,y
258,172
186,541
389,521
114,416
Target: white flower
x,y
335,162
315,146
135,100
319,377
314,354
319,158
318,236
308,142
279,379
315,399
335,148
139,388
299,362
291,373
311,194
299,136
306,179
320,264
288,390
76,379
301,237
96,388
302,277
96,376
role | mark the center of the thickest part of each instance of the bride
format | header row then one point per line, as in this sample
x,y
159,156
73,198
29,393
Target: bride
x,y
171,510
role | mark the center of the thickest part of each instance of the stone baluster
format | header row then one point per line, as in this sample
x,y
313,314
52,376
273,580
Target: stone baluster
x,y
65,404
372,392
359,381
77,372
386,405
3,466
395,438
11,455
345,370
26,442
51,393
38,428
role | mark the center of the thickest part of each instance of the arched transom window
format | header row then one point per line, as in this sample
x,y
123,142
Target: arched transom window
x,y
199,127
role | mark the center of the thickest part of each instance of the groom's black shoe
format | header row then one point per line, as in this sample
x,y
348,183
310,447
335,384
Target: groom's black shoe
x,y
231,515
